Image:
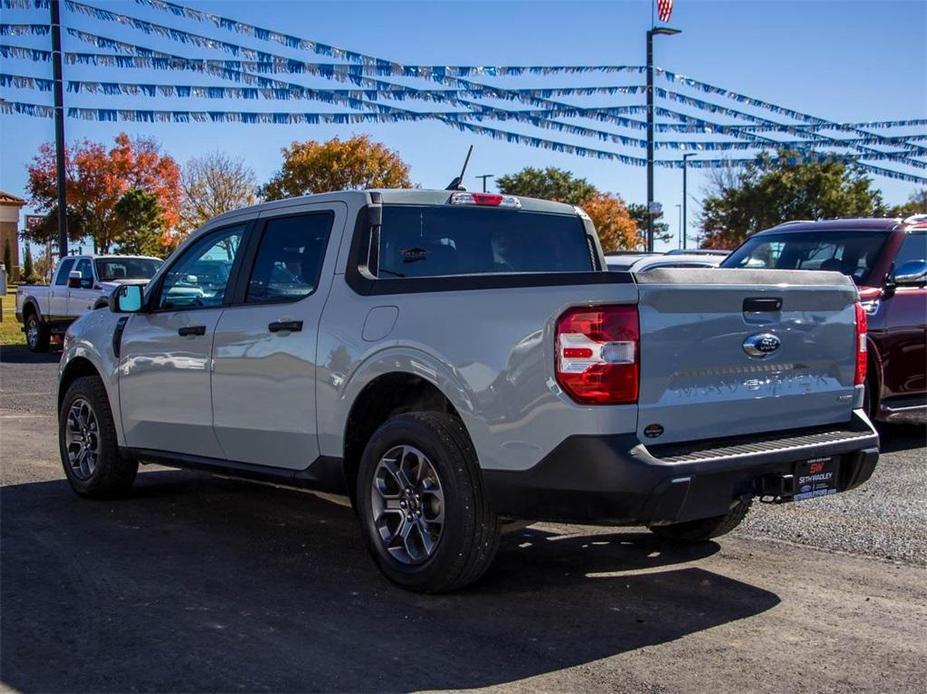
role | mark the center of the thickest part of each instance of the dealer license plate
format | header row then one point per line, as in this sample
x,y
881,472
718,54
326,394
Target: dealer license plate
x,y
816,477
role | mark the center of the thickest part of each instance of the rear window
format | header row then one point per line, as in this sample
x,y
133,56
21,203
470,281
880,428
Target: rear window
x,y
440,241
854,253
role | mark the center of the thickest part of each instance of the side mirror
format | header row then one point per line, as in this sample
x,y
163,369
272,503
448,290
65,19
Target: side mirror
x,y
912,272
126,299
74,277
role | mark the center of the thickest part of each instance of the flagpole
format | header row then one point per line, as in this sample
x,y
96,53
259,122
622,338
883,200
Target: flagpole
x,y
651,32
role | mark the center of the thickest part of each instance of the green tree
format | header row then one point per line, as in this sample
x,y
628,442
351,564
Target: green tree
x,y
28,268
916,204
773,190
320,167
661,231
548,184
8,258
139,222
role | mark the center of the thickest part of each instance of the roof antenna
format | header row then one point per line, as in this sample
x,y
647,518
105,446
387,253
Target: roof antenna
x,y
456,184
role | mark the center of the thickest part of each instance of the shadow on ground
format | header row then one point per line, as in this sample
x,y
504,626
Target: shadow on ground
x,y
20,354
198,583
901,437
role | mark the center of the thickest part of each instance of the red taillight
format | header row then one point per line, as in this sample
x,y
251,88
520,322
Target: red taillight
x,y
861,327
597,354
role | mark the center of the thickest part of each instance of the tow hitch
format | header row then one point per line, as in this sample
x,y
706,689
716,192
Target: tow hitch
x,y
776,488
808,480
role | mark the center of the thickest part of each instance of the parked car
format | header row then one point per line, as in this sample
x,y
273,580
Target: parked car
x,y
449,360
887,259
80,283
720,253
644,262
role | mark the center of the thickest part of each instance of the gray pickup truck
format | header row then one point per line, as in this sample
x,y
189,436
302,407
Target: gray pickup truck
x,y
452,360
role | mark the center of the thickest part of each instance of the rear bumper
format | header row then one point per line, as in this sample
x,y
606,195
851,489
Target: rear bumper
x,y
617,479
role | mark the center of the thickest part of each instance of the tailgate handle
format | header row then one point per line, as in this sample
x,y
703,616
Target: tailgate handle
x,y
758,304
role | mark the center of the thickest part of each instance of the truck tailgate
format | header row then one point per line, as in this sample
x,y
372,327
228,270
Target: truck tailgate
x,y
729,352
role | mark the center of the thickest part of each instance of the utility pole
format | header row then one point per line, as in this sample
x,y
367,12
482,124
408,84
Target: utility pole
x,y
685,196
653,31
484,177
59,130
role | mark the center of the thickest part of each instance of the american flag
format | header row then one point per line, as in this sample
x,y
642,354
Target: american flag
x,y
664,9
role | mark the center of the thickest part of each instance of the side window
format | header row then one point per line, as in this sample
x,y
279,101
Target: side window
x,y
289,258
913,248
86,273
200,276
61,279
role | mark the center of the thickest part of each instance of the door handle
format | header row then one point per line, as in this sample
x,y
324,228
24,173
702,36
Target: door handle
x,y
290,326
192,330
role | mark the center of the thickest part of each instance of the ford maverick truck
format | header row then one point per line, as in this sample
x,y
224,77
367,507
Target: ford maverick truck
x,y
453,360
80,283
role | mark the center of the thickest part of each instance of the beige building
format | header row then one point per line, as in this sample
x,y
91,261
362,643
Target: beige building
x,y
10,205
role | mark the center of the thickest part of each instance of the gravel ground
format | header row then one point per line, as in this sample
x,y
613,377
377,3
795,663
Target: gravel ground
x,y
197,583
886,517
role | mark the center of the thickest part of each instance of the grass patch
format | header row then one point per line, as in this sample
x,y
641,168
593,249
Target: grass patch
x,y
10,330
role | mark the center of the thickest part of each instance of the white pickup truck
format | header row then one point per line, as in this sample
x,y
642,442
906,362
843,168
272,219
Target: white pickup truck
x,y
81,283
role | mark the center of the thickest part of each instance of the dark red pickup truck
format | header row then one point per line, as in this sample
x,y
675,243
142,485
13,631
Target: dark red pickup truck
x,y
887,258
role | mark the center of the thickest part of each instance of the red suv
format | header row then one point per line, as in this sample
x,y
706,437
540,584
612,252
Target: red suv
x,y
887,258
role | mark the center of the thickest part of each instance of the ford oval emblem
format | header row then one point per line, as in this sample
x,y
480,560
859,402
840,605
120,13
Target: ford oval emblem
x,y
761,345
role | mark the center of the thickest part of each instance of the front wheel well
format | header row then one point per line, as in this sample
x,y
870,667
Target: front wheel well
x,y
385,397
29,308
77,367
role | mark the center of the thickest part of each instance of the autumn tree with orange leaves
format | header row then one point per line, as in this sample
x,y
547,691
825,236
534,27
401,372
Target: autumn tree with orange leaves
x,y
319,167
97,180
616,229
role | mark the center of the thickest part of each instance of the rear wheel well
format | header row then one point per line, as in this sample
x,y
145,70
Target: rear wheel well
x,y
382,398
77,367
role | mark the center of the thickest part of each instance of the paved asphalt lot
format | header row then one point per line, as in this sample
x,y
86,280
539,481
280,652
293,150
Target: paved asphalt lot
x,y
199,583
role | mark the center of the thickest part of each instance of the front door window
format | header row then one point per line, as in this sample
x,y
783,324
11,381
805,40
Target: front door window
x,y
201,276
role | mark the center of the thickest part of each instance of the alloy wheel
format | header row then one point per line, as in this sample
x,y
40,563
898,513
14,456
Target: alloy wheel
x,y
408,505
32,332
82,439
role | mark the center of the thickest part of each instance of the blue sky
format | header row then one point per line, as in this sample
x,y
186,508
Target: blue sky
x,y
845,61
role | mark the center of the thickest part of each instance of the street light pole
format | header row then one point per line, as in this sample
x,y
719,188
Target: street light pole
x,y
654,31
59,130
682,233
649,140
484,177
685,197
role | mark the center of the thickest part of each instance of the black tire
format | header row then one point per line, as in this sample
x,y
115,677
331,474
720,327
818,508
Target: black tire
x,y
870,396
37,333
706,528
112,475
469,536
